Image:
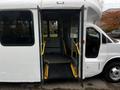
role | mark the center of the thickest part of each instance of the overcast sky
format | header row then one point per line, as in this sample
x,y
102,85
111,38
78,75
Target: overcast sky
x,y
111,4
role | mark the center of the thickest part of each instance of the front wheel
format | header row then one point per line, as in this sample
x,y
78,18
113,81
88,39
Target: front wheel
x,y
112,72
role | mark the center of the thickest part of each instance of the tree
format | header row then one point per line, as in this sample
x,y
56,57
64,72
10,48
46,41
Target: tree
x,y
110,20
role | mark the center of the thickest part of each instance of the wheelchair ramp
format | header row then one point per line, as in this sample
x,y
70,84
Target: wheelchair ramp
x,y
58,67
60,71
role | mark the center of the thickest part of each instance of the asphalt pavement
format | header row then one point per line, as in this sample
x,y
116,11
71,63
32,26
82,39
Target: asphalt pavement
x,y
94,83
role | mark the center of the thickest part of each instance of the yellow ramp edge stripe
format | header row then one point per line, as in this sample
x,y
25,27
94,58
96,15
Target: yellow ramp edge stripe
x,y
46,71
74,70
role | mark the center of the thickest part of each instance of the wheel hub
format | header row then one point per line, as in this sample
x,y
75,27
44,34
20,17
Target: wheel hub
x,y
115,73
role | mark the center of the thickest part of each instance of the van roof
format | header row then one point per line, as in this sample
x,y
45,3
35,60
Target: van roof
x,y
46,4
93,6
16,4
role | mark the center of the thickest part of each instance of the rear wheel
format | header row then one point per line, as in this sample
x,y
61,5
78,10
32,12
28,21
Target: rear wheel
x,y
112,72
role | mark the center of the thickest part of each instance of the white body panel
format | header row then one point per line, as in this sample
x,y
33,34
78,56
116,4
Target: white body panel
x,y
94,7
21,63
94,10
113,51
17,4
62,4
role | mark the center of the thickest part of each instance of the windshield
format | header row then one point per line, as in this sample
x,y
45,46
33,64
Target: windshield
x,y
112,38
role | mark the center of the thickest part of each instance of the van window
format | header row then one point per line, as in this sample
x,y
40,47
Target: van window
x,y
104,39
50,28
16,28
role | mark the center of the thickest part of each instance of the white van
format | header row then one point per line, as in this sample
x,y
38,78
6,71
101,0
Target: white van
x,y
55,39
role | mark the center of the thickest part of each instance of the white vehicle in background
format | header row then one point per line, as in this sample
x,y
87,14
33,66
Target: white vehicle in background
x,y
55,39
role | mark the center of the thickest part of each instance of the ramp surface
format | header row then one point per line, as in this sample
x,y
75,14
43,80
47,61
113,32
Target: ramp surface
x,y
60,71
58,67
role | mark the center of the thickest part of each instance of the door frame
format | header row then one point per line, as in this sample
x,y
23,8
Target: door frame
x,y
40,45
81,44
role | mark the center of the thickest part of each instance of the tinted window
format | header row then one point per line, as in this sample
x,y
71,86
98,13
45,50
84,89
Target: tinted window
x,y
16,28
92,43
104,39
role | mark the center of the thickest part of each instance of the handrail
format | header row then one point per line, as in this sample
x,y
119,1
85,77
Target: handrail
x,y
74,70
65,50
77,48
43,48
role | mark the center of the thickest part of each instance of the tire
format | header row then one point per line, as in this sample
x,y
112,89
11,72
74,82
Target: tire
x,y
112,72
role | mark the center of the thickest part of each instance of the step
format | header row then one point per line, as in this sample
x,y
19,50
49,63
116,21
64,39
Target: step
x,y
56,59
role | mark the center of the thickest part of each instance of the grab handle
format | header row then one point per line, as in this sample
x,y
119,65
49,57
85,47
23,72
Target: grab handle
x,y
59,2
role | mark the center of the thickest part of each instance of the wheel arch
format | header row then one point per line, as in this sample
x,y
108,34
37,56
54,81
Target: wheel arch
x,y
114,59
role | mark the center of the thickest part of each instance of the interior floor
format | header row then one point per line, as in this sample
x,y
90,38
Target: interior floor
x,y
56,58
59,66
